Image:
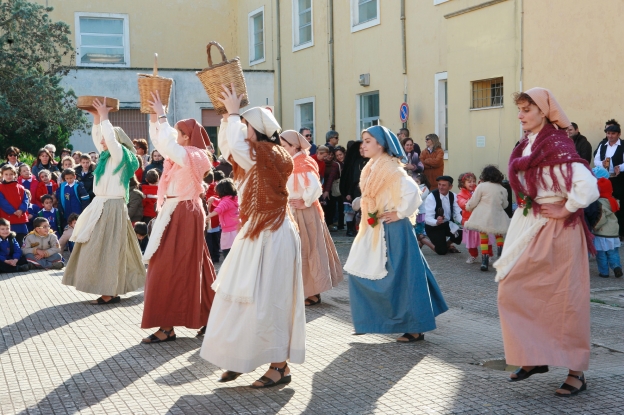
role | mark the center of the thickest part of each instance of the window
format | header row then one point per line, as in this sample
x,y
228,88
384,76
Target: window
x,y
441,109
369,110
487,93
132,121
102,39
364,14
304,115
303,36
256,36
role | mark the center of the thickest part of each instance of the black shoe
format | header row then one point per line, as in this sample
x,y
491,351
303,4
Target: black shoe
x,y
23,268
500,251
228,376
524,374
485,262
603,276
618,272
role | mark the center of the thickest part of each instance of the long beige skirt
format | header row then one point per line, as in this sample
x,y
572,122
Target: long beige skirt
x,y
543,302
109,263
321,266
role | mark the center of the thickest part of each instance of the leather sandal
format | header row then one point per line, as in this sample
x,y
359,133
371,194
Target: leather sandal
x,y
228,376
410,338
100,301
201,331
524,374
154,339
312,302
269,383
573,390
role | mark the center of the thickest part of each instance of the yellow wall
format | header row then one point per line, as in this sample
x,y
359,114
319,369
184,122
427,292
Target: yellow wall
x,y
576,52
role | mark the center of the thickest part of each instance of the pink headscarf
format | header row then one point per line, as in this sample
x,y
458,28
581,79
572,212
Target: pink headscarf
x,y
546,102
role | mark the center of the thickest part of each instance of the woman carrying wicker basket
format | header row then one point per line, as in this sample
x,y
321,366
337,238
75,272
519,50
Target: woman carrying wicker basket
x,y
180,271
106,258
258,313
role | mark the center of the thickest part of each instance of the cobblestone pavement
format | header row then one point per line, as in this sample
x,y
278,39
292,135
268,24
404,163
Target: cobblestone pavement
x,y
59,355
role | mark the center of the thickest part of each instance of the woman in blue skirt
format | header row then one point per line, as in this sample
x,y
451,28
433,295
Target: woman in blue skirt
x,y
391,287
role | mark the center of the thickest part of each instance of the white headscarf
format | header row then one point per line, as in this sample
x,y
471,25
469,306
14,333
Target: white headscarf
x,y
262,120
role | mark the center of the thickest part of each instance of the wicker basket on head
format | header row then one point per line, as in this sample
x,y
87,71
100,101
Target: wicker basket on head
x,y
85,102
225,73
153,83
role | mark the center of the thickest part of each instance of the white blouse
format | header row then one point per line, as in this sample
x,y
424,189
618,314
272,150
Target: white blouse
x,y
109,184
165,137
308,193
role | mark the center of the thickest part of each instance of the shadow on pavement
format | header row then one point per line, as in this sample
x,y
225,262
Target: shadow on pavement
x,y
38,323
228,401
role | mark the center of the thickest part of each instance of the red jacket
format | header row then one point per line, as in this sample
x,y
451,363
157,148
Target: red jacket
x,y
214,221
14,198
321,165
42,190
462,198
149,202
33,183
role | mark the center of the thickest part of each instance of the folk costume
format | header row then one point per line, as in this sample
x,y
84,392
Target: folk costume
x,y
543,273
321,267
615,154
472,239
391,287
180,271
106,259
258,313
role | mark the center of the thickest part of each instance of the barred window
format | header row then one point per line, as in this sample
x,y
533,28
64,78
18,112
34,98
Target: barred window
x,y
132,121
487,93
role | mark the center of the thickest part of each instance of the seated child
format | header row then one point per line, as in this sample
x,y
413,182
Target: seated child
x,y
150,190
50,213
26,178
11,259
33,211
213,229
606,230
13,202
226,206
71,195
41,247
45,186
67,233
140,228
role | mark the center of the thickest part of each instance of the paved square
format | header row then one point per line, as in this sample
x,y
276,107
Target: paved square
x,y
60,355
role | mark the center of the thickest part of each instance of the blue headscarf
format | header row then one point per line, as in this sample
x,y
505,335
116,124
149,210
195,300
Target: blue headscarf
x,y
388,141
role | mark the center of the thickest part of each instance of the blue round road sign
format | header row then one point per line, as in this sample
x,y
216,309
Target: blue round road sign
x,y
404,112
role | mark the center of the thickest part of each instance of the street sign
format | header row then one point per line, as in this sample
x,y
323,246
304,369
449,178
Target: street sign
x,y
404,112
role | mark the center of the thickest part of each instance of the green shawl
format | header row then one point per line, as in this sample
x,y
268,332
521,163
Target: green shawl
x,y
129,164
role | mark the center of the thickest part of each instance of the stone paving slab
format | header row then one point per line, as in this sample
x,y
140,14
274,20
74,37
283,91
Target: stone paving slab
x,y
59,355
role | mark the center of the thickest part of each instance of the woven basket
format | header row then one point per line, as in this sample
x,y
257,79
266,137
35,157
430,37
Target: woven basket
x,y
153,83
85,102
225,73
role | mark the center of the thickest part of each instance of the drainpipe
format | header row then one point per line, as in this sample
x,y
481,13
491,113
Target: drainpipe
x,y
278,69
332,90
404,50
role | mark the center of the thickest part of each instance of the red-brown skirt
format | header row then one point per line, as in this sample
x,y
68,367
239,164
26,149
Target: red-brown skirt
x,y
179,274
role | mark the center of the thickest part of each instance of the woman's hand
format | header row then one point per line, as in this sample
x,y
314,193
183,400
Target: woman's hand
x,y
102,109
409,166
325,195
554,211
231,100
297,204
389,217
157,106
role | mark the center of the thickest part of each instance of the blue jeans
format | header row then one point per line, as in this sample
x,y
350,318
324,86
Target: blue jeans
x,y
608,259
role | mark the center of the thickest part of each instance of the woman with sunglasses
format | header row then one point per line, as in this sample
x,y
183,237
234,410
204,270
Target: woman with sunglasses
x,y
12,158
433,159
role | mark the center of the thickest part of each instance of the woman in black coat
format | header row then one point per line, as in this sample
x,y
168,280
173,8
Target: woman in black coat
x,y
354,162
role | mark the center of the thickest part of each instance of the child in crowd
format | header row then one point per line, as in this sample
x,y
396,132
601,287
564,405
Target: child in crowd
x,y
41,247
472,239
423,184
135,202
64,241
26,178
606,230
84,174
226,206
487,205
33,211
150,191
11,259
46,186
49,213
213,228
13,202
72,196
140,229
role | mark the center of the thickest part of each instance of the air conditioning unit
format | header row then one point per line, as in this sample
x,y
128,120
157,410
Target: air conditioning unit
x,y
365,79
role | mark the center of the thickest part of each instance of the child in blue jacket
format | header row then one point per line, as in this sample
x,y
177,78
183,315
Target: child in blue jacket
x,y
50,213
71,195
11,259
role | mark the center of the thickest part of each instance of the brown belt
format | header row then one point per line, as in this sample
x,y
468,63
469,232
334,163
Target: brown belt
x,y
170,197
